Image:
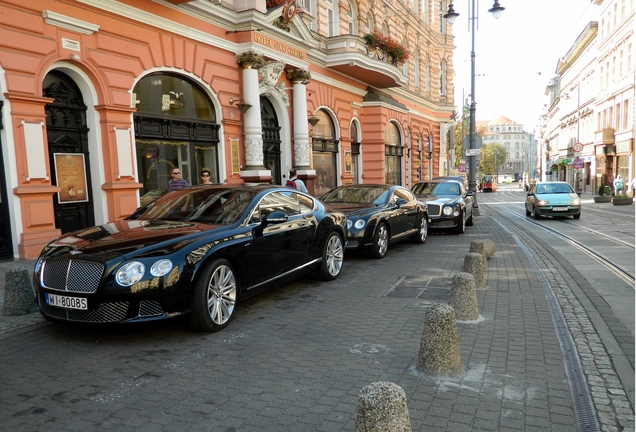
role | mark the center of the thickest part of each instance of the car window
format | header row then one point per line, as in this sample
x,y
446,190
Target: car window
x,y
361,195
424,188
541,189
289,202
447,188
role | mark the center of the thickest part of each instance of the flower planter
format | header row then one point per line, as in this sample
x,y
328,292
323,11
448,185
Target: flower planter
x,y
602,199
622,201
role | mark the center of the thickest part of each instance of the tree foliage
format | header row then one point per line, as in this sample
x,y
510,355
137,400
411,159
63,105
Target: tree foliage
x,y
462,130
493,155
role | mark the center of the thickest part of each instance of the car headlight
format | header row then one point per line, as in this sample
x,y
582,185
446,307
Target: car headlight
x,y
360,223
161,267
576,201
543,202
130,273
448,211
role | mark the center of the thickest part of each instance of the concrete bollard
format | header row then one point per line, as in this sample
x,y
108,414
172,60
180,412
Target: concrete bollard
x,y
490,248
463,297
18,293
474,264
439,349
479,246
382,407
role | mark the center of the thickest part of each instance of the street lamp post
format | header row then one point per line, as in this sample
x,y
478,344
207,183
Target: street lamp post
x,y
451,15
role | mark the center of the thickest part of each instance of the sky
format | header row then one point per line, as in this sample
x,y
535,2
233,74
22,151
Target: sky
x,y
515,55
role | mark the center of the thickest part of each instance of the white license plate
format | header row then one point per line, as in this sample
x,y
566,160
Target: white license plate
x,y
559,209
66,302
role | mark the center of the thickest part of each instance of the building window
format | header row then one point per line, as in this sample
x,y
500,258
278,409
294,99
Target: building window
x,y
427,75
352,18
442,78
416,66
369,26
332,19
393,152
442,21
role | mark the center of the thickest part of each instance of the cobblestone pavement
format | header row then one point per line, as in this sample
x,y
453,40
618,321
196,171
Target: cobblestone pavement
x,y
295,359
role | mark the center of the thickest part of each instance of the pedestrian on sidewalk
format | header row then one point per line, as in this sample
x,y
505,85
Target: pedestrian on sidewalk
x,y
618,185
632,186
295,182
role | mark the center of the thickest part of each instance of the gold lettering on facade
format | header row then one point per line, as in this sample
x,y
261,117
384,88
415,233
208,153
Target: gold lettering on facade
x,y
279,47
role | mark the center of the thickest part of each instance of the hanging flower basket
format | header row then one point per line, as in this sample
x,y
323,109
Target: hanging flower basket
x,y
394,52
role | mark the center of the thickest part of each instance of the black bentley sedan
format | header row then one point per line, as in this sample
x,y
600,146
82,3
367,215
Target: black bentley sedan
x,y
449,204
198,250
379,214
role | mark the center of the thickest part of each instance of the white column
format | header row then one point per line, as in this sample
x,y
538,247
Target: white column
x,y
302,146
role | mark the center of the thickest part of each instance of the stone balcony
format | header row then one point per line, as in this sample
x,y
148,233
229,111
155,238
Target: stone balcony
x,y
350,56
604,136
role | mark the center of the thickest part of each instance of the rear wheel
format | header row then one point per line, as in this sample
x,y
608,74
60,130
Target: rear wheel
x,y
332,258
380,242
422,233
214,298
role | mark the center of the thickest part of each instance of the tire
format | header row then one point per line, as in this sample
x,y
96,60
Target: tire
x,y
215,294
535,214
422,233
577,216
332,258
470,221
527,212
380,242
461,227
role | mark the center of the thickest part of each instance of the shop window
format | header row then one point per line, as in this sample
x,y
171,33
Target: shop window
x,y
175,127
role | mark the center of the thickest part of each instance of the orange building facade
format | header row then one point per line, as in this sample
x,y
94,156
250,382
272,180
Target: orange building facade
x,y
101,99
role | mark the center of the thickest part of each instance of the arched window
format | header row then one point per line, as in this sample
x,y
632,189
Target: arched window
x,y
369,26
442,78
356,168
325,152
332,18
352,18
189,144
393,152
416,66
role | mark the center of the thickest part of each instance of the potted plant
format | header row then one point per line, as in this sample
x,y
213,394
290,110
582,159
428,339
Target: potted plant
x,y
622,199
396,54
604,194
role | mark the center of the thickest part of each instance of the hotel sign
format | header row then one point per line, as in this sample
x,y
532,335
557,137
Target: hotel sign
x,y
285,49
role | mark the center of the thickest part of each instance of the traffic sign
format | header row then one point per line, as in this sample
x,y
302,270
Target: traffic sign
x,y
577,147
577,163
473,152
461,167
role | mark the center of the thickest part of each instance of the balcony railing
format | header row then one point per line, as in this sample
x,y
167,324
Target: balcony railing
x,y
604,136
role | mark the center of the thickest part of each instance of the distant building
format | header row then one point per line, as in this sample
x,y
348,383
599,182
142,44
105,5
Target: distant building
x,y
520,145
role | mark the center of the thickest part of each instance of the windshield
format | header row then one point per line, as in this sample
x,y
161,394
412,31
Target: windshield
x,y
209,205
359,195
447,188
555,188
424,188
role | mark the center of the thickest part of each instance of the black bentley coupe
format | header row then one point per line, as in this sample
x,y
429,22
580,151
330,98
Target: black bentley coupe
x,y
198,250
379,214
449,204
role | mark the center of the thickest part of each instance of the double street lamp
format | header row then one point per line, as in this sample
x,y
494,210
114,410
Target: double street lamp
x,y
450,16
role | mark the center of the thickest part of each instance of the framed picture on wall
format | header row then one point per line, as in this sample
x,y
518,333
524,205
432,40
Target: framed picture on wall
x,y
347,155
70,177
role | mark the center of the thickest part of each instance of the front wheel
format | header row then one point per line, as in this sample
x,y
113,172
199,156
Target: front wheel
x,y
380,242
577,216
215,295
470,221
332,258
422,233
535,213
461,226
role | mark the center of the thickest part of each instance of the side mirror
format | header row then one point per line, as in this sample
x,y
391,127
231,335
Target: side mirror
x,y
274,217
400,202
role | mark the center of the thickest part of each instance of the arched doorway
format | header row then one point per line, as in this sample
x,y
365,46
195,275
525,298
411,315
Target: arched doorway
x,y
67,135
271,140
175,127
393,152
324,152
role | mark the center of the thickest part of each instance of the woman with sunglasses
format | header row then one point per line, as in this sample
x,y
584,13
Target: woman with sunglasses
x,y
205,177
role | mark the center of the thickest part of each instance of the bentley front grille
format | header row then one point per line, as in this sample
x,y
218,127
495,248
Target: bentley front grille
x,y
71,275
106,313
